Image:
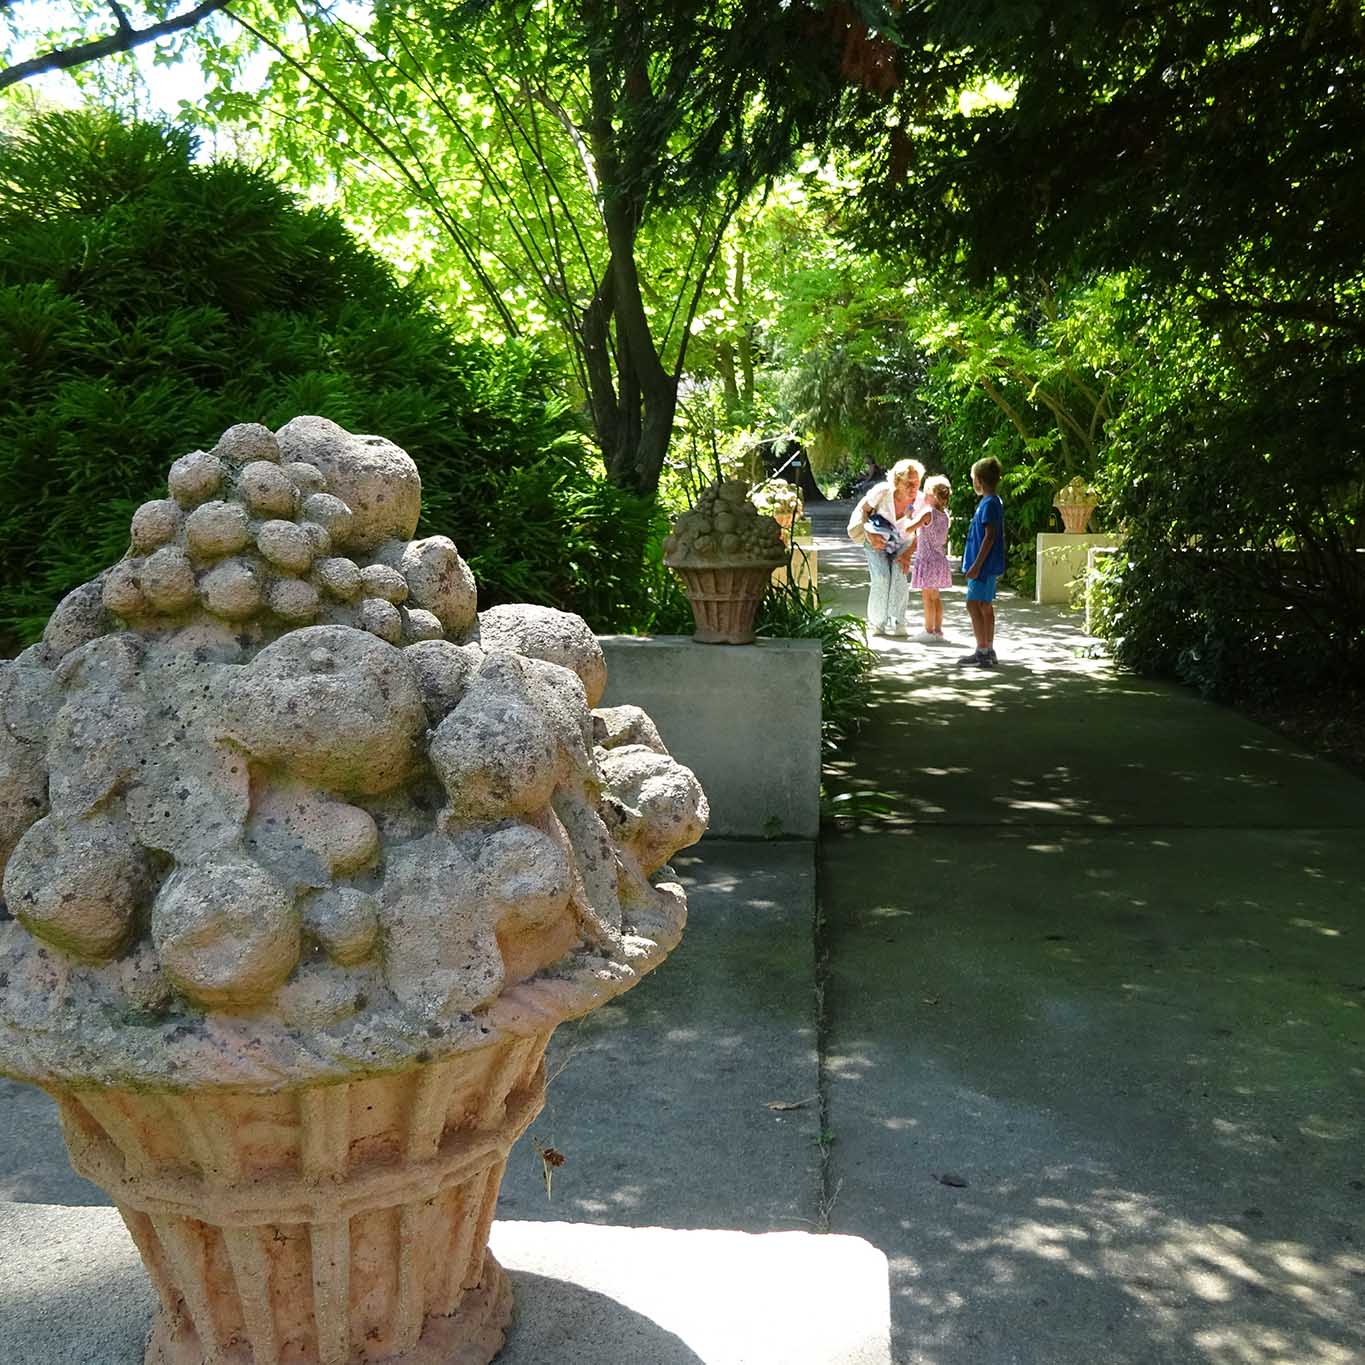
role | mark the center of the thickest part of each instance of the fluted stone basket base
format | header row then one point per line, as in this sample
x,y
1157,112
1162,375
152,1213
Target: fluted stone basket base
x,y
1076,518
339,1224
725,600
473,1336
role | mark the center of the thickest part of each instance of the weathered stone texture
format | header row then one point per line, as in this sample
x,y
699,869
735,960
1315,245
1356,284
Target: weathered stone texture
x,y
544,633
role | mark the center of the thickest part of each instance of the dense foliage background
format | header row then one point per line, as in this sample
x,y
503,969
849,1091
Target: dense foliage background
x,y
147,302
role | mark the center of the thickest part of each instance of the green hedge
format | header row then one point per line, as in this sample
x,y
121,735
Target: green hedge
x,y
148,301
1241,486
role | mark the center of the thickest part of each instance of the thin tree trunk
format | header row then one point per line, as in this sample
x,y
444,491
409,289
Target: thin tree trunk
x,y
746,332
602,397
647,394
725,363
746,365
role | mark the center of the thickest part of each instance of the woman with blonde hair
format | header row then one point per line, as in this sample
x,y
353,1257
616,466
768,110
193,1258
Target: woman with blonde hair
x,y
880,523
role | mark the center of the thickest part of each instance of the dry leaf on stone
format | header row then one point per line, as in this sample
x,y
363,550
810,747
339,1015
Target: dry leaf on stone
x,y
782,1106
551,1158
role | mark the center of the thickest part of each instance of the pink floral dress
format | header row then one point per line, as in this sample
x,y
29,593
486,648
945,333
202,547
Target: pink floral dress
x,y
930,568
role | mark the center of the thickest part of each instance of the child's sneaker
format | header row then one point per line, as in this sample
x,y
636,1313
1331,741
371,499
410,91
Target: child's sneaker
x,y
938,637
975,657
926,637
991,659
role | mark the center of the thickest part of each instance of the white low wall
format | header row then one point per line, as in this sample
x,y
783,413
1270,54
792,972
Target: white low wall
x,y
744,718
1061,560
804,569
1094,557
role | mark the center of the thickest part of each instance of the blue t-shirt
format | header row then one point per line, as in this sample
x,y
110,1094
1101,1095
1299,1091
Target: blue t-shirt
x,y
990,511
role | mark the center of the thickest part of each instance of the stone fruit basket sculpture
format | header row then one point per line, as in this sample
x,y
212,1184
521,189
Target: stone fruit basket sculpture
x,y
725,551
303,863
779,500
1075,503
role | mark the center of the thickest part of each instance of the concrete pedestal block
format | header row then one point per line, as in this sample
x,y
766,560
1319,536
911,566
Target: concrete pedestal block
x,y
1061,560
744,718
804,570
662,1296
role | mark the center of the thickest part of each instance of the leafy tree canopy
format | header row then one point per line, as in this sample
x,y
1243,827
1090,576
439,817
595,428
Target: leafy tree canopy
x,y
1209,145
577,162
148,302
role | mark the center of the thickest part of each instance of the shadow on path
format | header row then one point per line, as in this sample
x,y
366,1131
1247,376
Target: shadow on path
x,y
1055,736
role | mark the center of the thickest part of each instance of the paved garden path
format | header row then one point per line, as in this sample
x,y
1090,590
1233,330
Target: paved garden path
x,y
1094,1020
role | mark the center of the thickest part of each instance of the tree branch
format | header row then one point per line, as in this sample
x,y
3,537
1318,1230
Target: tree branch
x,y
702,276
1001,402
399,163
422,80
573,133
120,16
1064,418
123,40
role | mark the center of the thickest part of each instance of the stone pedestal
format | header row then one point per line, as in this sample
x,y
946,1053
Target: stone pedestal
x,y
1061,560
664,1296
745,720
804,568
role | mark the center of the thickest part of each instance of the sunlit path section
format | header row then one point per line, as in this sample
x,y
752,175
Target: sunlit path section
x,y
1095,1011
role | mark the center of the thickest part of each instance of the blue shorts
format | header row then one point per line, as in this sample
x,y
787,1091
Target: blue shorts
x,y
981,588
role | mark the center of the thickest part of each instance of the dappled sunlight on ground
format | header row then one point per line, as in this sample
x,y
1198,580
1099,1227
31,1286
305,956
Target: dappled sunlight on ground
x,y
1052,736
1103,1106
664,1118
1209,1291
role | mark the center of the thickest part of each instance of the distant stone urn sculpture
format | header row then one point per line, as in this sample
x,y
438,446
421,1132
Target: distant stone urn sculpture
x,y
1075,503
725,551
303,863
781,501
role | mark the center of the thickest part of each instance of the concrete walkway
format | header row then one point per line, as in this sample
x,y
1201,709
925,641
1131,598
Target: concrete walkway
x,y
1094,1035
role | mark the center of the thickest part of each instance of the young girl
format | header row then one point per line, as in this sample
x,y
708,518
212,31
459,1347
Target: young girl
x,y
929,569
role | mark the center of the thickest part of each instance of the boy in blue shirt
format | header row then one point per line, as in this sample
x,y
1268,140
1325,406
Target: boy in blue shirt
x,y
983,561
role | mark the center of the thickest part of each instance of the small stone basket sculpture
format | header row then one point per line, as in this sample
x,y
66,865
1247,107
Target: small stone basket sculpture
x,y
782,502
1075,503
725,551
304,860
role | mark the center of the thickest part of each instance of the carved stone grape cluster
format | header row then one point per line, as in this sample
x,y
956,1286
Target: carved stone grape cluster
x,y
250,529
724,528
273,766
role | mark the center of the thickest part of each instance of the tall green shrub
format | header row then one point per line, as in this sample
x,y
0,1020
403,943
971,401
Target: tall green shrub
x,y
1237,471
147,302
